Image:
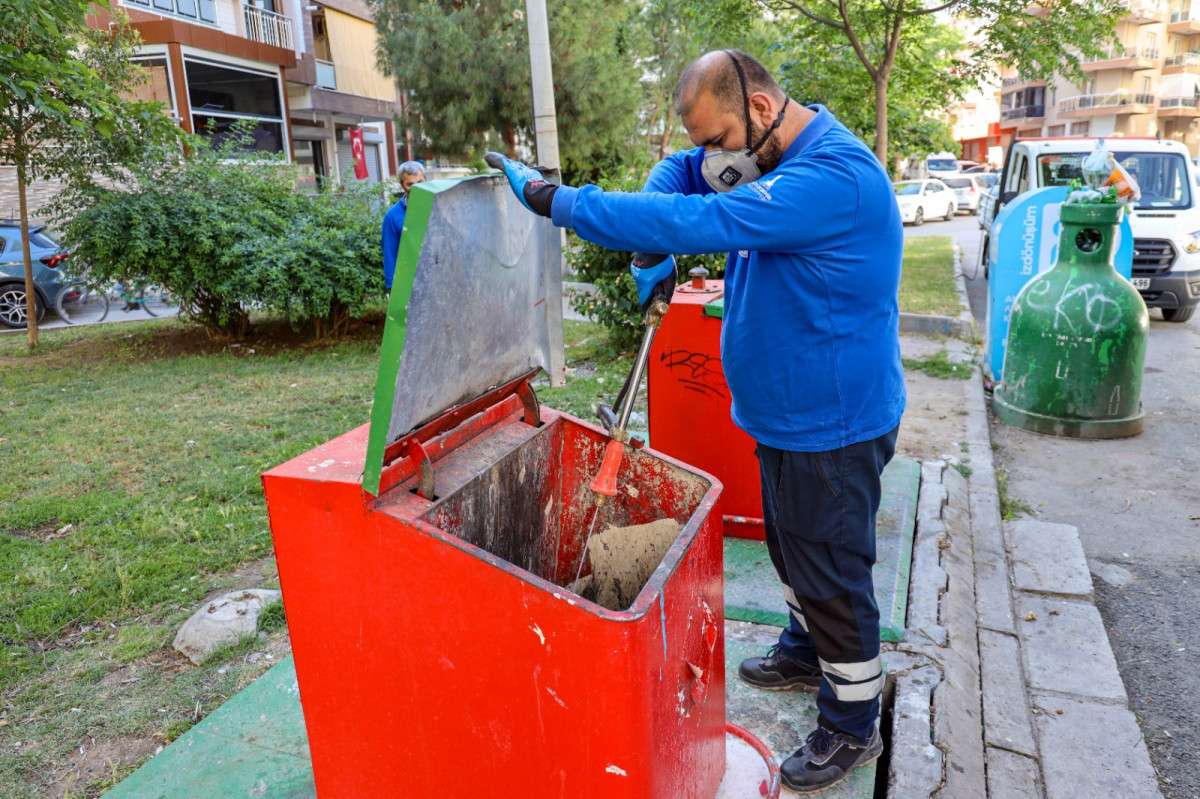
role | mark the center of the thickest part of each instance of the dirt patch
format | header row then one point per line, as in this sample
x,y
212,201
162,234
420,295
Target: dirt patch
x,y
935,422
48,531
99,760
623,558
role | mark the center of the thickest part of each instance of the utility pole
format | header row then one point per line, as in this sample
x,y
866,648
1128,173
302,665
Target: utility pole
x,y
545,121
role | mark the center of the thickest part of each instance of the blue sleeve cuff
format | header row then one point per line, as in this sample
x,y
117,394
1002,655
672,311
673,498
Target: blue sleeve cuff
x,y
562,209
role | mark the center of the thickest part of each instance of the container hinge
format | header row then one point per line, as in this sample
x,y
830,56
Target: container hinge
x,y
416,452
533,413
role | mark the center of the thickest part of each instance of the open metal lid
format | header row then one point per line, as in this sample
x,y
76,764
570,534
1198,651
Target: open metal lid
x,y
476,302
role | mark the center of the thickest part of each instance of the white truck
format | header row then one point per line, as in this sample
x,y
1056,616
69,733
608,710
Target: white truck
x,y
1165,221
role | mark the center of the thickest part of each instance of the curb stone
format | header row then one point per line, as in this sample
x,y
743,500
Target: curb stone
x,y
936,707
1055,715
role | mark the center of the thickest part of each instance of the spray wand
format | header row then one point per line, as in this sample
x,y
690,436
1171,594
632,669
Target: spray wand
x,y
604,484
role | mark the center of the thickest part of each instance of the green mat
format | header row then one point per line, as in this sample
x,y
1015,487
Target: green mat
x,y
752,589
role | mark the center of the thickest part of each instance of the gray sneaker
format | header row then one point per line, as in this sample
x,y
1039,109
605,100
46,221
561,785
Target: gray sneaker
x,y
826,759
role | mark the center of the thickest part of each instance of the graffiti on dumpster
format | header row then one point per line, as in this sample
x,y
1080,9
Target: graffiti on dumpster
x,y
697,371
1100,312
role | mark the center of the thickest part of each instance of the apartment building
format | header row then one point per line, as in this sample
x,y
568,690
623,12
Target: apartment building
x,y
301,73
1147,85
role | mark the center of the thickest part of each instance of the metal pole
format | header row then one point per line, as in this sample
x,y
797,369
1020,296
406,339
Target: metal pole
x,y
545,123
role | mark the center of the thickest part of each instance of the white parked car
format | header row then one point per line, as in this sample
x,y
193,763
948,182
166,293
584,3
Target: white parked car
x,y
968,189
925,199
1165,221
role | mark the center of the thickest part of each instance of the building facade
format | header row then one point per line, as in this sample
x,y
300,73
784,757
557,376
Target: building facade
x,y
302,74
1148,85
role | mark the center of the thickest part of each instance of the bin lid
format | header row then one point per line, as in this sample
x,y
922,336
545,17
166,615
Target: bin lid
x,y
476,302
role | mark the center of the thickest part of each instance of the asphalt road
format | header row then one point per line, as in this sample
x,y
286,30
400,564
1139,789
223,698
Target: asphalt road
x,y
1136,503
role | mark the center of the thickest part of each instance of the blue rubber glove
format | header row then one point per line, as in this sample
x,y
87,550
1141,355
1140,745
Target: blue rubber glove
x,y
531,187
655,277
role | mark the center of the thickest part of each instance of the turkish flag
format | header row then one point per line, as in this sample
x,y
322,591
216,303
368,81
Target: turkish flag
x,y
359,153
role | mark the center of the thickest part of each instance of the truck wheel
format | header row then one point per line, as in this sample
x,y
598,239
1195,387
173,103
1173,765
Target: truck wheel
x,y
1178,314
919,219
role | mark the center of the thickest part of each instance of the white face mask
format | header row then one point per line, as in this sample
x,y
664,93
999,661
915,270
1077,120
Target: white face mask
x,y
725,170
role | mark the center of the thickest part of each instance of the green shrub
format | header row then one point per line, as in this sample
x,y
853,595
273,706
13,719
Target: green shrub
x,y
226,232
614,304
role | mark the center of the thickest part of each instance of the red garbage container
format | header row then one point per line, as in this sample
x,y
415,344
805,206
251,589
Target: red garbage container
x,y
689,404
425,558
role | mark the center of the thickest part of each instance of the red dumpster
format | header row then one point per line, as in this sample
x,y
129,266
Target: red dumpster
x,y
689,404
425,558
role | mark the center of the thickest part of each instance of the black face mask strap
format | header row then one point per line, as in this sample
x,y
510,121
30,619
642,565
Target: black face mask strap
x,y
745,94
746,107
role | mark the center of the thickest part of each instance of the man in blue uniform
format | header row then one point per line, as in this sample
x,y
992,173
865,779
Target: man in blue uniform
x,y
811,352
411,173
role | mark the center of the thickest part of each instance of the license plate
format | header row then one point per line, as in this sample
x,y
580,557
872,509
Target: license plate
x,y
1141,282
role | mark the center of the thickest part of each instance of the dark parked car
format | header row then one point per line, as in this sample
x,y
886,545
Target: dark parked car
x,y
48,279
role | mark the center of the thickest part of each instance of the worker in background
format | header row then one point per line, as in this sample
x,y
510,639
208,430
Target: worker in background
x,y
811,352
411,173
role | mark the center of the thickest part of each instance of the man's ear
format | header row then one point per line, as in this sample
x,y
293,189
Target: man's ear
x,y
763,109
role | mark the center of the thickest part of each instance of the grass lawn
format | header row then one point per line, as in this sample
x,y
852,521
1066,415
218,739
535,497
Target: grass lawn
x,y
130,492
927,281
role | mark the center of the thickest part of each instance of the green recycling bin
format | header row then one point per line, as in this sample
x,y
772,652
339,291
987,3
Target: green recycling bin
x,y
1077,338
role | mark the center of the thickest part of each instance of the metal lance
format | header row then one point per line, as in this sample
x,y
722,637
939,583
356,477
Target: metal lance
x,y
1077,338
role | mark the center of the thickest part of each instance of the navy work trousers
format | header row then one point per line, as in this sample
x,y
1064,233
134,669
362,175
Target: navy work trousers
x,y
819,509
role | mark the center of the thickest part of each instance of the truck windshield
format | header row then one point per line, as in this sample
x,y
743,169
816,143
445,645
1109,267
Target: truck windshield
x,y
942,164
1163,177
957,183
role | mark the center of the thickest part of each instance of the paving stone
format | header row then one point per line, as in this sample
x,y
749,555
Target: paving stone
x,y
993,597
916,765
1092,750
1066,648
1006,720
1011,776
1047,558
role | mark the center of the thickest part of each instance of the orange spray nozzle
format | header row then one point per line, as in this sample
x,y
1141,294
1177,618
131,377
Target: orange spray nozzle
x,y
605,482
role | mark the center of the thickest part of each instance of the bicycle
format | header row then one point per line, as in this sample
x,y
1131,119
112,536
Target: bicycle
x,y
154,300
82,300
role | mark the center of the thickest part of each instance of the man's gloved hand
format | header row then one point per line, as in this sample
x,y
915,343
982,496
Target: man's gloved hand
x,y
654,275
531,187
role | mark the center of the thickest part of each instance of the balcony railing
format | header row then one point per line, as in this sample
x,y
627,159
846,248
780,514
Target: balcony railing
x,y
1024,112
268,27
326,74
1191,102
1120,53
1116,99
1183,60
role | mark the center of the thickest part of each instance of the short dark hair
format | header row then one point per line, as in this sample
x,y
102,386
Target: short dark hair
x,y
719,77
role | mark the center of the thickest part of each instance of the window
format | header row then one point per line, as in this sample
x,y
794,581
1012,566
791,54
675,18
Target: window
x,y
1079,128
1056,130
157,86
222,95
203,10
1162,177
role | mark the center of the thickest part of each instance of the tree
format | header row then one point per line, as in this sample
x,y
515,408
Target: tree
x,y
464,67
1037,44
670,34
822,67
62,114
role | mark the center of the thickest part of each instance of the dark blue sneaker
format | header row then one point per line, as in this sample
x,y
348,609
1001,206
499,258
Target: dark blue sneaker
x,y
778,672
826,759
